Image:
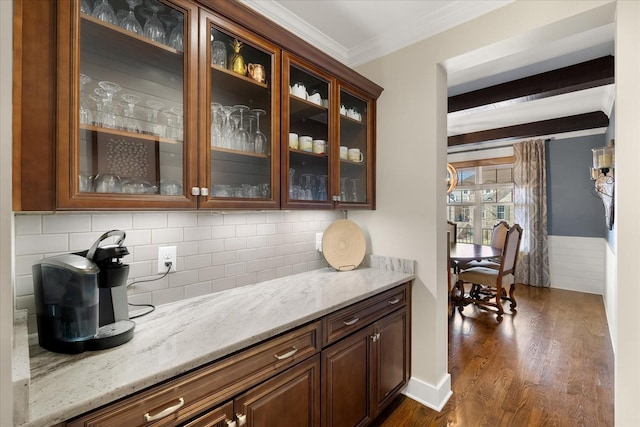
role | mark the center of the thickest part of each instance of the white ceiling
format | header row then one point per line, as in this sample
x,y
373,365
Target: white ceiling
x,y
358,31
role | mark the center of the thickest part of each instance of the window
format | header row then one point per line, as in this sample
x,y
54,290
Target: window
x,y
483,197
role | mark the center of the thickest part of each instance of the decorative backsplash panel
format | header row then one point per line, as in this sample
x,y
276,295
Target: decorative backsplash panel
x,y
215,251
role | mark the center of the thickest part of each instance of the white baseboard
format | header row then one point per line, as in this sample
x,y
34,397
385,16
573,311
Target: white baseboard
x,y
434,397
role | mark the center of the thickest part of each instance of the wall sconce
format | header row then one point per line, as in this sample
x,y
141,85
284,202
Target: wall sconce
x,y
452,178
602,174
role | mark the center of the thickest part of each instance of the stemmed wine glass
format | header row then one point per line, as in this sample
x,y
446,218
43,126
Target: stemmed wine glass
x,y
216,125
354,190
242,140
260,139
176,38
98,98
153,28
344,197
110,117
179,129
227,127
155,127
104,12
129,22
85,114
130,122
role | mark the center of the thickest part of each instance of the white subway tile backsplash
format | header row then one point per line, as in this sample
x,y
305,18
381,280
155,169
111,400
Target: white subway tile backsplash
x,y
182,219
215,251
111,221
63,223
32,244
149,220
167,235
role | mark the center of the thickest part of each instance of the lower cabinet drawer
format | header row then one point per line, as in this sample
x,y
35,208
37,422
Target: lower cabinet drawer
x,y
182,399
343,322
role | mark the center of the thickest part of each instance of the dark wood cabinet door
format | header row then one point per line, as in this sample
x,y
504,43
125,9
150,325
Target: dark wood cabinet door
x,y
392,359
346,381
289,399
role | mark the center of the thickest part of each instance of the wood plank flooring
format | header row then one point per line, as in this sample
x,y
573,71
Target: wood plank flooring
x,y
550,364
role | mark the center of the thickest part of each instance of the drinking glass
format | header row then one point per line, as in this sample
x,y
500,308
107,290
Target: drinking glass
x,y
259,138
130,122
354,190
322,188
129,22
176,37
179,123
85,114
153,28
99,100
219,53
344,191
104,12
110,117
216,125
154,126
307,186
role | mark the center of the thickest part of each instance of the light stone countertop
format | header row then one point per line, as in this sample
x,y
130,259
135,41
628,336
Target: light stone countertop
x,y
180,336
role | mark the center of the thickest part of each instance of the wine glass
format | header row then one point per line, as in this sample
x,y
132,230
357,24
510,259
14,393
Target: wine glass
x,y
104,12
216,125
307,187
130,122
354,190
259,138
179,123
168,22
98,98
176,37
110,117
85,114
153,28
85,8
129,22
344,195
242,139
154,126
322,188
227,127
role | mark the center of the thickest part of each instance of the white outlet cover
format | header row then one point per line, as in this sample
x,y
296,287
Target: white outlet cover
x,y
167,254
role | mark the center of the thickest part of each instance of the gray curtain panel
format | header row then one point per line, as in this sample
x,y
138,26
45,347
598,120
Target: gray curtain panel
x,y
530,201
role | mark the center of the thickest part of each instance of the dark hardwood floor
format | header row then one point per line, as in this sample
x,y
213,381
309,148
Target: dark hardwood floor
x,y
551,364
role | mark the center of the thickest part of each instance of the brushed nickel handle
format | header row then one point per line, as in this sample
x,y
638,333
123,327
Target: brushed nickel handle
x,y
394,301
351,322
170,410
286,355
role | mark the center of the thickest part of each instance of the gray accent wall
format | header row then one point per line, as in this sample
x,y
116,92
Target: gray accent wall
x,y
572,207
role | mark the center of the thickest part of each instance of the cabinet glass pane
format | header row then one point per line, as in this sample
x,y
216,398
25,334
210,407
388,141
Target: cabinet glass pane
x,y
131,98
308,137
240,119
354,153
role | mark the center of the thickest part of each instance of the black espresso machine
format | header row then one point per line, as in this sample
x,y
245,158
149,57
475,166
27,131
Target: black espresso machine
x,y
81,298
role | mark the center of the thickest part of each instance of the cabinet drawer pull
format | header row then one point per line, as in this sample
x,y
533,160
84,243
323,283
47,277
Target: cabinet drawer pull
x,y
351,322
394,301
170,410
231,423
287,354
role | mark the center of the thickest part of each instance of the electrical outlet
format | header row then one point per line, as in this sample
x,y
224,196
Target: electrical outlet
x,y
167,254
319,242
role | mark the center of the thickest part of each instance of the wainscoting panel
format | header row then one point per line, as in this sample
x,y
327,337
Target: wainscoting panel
x,y
578,263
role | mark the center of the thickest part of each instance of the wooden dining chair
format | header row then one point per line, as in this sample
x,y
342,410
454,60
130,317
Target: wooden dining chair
x,y
452,229
488,286
498,237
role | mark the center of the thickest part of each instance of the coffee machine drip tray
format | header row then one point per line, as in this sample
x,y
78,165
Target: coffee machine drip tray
x,y
111,335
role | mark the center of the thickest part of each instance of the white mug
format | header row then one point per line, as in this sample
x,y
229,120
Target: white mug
x,y
344,152
355,155
306,143
318,146
293,141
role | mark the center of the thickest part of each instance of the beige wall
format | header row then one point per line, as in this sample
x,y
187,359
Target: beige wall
x,y
6,294
409,221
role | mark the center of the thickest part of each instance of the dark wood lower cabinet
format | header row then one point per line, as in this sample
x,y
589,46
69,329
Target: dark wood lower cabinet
x,y
363,372
291,380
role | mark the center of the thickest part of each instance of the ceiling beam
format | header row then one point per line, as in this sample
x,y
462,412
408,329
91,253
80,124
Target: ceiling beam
x,y
594,73
593,120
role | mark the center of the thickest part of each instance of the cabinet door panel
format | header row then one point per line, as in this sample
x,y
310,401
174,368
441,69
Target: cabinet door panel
x,y
126,105
346,381
392,361
289,399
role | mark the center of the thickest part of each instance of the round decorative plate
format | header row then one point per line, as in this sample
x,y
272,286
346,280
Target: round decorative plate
x,y
343,245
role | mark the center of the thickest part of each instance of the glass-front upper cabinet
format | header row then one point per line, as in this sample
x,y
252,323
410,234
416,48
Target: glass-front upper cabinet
x,y
240,154
126,94
356,155
308,143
